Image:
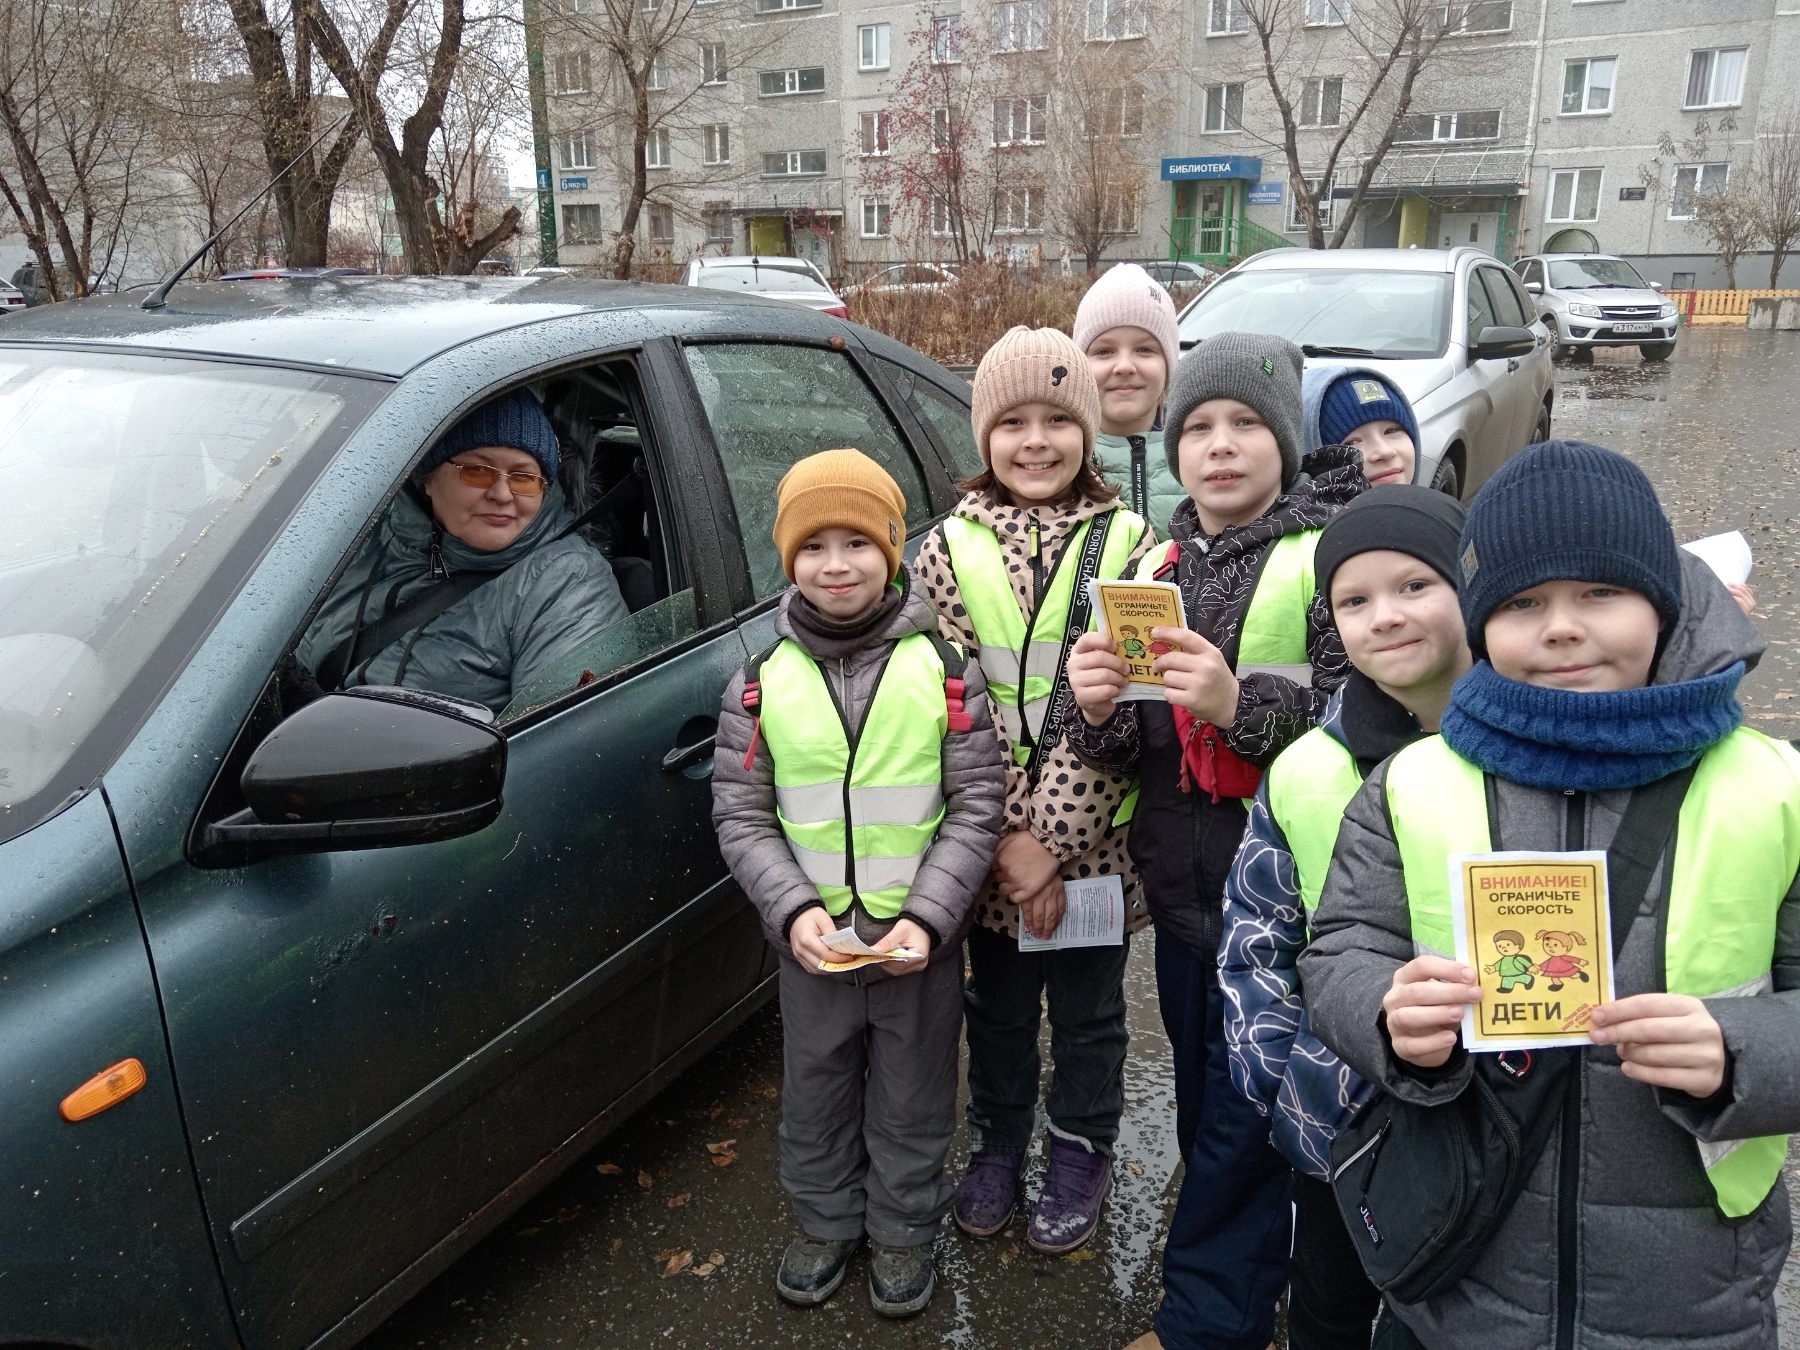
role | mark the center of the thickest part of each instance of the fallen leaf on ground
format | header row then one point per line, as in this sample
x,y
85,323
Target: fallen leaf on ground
x,y
527,1232
677,1201
612,1247
1085,1254
609,1169
674,1262
738,1122
723,1159
645,1180
1135,1168
704,1269
723,1146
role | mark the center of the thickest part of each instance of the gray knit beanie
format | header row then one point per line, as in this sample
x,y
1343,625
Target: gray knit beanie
x,y
1260,372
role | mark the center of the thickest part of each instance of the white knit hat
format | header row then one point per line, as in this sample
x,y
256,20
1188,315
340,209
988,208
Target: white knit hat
x,y
1128,295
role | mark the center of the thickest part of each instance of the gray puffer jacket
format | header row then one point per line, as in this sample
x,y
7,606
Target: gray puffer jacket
x,y
555,594
1651,1263
955,865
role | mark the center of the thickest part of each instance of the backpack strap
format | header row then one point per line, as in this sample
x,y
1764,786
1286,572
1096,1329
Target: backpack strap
x,y
1170,559
753,696
956,664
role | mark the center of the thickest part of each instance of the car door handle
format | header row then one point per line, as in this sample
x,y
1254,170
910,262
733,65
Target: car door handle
x,y
682,756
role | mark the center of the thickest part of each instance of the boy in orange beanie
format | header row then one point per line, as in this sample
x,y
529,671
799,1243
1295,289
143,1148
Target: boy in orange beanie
x,y
857,794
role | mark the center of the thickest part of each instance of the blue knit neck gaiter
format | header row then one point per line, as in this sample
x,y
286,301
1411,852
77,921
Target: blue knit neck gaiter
x,y
1576,742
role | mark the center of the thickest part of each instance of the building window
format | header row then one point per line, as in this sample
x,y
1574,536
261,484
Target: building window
x,y
793,164
1327,206
1020,121
1448,126
798,80
578,150
1021,25
943,219
872,47
662,223
581,224
715,143
1478,16
1695,180
1224,108
940,128
1116,20
656,79
718,222
874,218
1574,196
1116,112
872,133
1588,86
1323,12
946,39
1716,78
1119,209
574,73
656,149
1321,100
1016,210
777,6
712,63
1226,16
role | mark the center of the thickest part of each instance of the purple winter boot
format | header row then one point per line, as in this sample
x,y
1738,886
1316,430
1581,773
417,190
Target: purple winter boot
x,y
988,1192
1075,1187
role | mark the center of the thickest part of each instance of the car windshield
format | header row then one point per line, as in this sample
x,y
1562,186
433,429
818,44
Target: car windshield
x,y
151,482
1388,314
766,277
1574,274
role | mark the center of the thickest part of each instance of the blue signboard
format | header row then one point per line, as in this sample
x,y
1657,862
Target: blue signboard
x,y
1184,167
1264,194
574,185
543,180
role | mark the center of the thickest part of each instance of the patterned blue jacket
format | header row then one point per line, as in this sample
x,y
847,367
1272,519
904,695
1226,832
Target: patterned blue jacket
x,y
1307,1092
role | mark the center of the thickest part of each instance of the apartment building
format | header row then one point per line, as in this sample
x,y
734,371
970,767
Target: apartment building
x,y
1535,124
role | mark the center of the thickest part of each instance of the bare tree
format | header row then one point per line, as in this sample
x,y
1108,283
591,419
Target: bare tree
x,y
1728,220
1775,186
1726,216
487,97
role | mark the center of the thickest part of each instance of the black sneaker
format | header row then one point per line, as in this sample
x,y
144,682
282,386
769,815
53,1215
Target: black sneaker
x,y
900,1278
812,1269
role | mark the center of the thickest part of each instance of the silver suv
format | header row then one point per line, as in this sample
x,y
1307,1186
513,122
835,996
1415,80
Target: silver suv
x,y
1590,300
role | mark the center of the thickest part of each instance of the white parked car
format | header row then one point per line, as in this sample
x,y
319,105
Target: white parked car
x,y
1590,300
1453,328
11,298
793,279
926,277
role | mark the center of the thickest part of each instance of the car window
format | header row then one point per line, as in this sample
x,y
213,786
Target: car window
x,y
758,279
1599,273
664,623
1531,271
1527,309
1502,301
1393,315
947,416
1480,309
771,404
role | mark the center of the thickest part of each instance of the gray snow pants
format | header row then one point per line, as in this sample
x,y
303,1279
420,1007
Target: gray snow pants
x,y
868,1099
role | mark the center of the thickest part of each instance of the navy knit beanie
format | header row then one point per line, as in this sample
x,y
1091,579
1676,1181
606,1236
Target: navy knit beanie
x,y
1359,397
516,420
1566,511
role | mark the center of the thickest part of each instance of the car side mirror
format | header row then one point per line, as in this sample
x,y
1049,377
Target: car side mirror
x,y
1503,341
1656,285
1535,287
365,768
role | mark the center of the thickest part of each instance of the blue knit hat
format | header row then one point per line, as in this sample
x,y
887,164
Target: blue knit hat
x,y
1566,511
516,420
1363,396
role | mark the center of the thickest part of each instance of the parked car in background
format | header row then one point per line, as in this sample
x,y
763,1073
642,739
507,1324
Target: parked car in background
x,y
906,278
300,999
1179,278
792,279
11,298
1590,300
1451,327
293,273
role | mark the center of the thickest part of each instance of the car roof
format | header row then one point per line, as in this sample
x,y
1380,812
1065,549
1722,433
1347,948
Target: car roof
x,y
755,260
1557,257
1366,259
381,325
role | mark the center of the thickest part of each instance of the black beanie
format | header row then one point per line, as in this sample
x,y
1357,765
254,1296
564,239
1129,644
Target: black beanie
x,y
1566,511
1420,522
1259,371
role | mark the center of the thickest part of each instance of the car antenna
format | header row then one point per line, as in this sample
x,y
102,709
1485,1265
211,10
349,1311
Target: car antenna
x,y
160,296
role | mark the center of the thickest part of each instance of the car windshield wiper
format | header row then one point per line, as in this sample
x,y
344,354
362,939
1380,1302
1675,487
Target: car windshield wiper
x,y
1326,349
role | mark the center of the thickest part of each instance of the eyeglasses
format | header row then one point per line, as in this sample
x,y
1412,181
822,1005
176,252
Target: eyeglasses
x,y
522,482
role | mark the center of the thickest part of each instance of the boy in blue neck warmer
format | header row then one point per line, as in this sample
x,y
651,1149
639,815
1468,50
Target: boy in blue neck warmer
x,y
1607,661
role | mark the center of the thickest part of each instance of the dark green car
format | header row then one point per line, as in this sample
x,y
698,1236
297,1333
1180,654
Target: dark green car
x,y
384,969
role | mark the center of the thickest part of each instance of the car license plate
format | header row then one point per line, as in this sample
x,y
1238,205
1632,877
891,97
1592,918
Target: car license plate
x,y
1631,328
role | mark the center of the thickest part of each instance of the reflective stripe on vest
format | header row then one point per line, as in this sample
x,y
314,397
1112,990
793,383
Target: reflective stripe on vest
x,y
1736,851
1310,783
1005,655
1272,638
893,791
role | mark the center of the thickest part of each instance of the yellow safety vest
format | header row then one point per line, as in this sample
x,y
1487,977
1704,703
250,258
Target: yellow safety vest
x,y
859,808
1309,785
1272,638
1736,852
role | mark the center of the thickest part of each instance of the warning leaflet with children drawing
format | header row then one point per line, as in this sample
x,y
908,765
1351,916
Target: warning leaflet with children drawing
x,y
1128,610
1536,928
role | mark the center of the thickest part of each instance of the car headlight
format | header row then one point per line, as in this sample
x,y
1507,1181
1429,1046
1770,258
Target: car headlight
x,y
1584,311
1666,312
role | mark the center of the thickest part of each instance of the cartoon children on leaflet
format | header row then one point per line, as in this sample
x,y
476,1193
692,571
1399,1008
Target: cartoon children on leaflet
x,y
1513,967
1557,964
1131,645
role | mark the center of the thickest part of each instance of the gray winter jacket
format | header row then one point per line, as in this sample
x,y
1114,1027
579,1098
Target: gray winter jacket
x,y
955,865
555,594
1113,456
1651,1263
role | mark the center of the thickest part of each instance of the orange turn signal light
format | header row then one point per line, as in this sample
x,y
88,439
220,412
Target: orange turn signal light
x,y
107,1088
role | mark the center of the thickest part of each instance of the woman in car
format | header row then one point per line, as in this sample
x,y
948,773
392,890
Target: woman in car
x,y
469,587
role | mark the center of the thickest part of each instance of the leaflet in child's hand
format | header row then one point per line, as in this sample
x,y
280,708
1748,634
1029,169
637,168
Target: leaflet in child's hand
x,y
1727,554
1093,916
1128,610
1537,931
858,953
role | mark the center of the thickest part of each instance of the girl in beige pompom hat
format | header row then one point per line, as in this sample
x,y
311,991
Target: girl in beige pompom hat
x,y
1006,573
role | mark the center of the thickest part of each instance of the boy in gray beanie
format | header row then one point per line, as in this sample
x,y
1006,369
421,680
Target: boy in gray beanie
x,y
1258,371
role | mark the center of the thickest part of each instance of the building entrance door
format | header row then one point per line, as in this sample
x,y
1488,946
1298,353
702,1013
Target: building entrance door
x,y
1480,228
768,236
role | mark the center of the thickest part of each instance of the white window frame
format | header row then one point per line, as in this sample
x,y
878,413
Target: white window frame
x,y
1117,20
1121,113
657,151
712,214
874,134
571,235
877,218
1455,17
1019,209
946,40
1118,209
1574,178
1587,63
1226,18
658,78
1327,13
578,150
1021,25
942,220
779,6
650,210
1452,124
940,128
795,161
1713,100
1296,222
714,63
715,143
1226,122
874,46
1697,186
1033,110
789,78
577,67
1313,101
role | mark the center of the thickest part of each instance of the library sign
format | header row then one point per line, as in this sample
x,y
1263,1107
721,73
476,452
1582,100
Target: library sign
x,y
1216,167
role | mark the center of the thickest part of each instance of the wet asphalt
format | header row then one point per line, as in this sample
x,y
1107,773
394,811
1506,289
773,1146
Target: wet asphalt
x,y
670,1232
